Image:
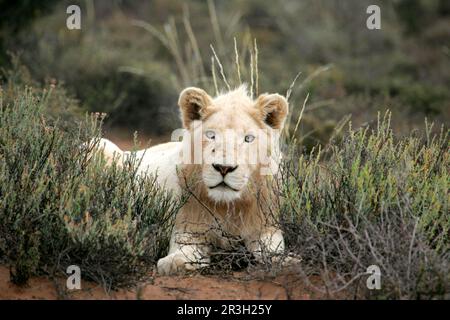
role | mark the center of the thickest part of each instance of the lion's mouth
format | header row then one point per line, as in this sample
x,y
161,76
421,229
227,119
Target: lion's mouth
x,y
223,185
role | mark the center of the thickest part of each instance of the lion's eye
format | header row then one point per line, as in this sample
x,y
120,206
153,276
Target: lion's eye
x,y
249,138
210,134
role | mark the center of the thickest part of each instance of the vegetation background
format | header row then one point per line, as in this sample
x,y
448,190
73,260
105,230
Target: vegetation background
x,y
387,177
131,58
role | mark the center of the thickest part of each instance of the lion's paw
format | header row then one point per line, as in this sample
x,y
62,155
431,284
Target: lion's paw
x,y
177,263
285,261
291,261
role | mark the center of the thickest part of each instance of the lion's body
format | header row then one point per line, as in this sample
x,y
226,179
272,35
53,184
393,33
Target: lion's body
x,y
224,207
162,161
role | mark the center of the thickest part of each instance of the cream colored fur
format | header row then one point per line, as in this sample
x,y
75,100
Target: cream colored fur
x,y
213,215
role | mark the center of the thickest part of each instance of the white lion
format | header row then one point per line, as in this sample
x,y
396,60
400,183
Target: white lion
x,y
228,185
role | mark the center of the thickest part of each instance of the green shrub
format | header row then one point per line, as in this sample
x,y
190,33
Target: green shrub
x,y
372,199
59,207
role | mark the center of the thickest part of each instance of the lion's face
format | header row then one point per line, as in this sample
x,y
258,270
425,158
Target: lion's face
x,y
229,140
237,136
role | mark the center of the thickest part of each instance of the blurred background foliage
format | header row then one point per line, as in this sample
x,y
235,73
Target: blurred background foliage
x,y
131,58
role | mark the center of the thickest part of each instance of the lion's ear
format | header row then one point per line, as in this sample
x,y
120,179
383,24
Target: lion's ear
x,y
193,103
274,109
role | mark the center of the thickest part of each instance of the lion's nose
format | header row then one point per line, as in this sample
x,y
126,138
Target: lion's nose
x,y
224,169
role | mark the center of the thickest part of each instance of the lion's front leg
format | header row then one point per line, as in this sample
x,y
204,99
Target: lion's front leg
x,y
187,255
269,245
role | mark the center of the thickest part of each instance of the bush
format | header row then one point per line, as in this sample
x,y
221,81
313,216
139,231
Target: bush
x,y
372,200
59,207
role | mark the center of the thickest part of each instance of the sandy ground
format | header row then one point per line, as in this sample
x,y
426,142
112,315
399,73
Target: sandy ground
x,y
175,287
